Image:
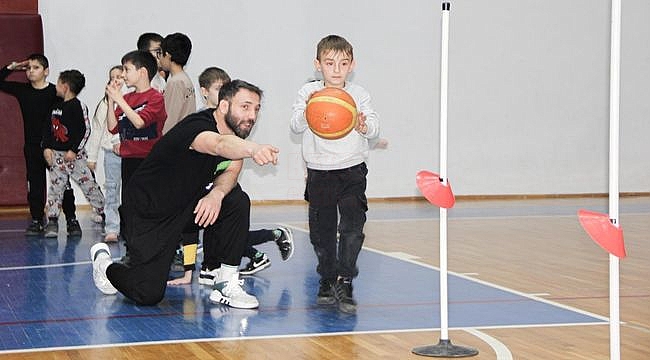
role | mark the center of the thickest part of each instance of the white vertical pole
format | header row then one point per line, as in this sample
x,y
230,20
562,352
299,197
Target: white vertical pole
x,y
614,101
444,323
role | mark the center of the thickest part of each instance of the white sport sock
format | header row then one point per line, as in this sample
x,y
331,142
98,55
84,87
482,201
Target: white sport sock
x,y
228,272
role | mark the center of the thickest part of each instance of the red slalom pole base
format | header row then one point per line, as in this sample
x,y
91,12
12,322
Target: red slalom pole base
x,y
434,190
603,232
445,348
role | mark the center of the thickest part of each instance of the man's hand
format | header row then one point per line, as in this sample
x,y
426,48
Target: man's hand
x,y
92,165
264,154
208,208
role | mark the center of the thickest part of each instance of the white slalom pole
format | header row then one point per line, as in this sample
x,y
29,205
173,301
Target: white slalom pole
x,y
444,69
444,348
614,122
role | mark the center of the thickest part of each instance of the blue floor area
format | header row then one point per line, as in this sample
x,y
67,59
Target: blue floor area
x,y
48,299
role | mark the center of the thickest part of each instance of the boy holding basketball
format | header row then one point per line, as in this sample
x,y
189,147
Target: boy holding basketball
x,y
336,176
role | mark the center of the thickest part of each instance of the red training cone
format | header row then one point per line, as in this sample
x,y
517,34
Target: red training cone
x,y
603,232
434,190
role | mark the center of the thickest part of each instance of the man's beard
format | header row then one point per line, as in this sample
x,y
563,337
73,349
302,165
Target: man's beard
x,y
233,125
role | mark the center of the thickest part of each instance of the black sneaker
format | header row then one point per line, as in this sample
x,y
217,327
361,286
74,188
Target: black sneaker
x,y
35,228
285,243
52,228
178,262
73,228
343,294
257,264
325,293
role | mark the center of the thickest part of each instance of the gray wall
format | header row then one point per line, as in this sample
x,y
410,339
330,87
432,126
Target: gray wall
x,y
528,82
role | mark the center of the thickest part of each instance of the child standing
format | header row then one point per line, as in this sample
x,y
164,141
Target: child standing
x,y
180,100
64,139
336,176
150,42
139,116
36,99
101,140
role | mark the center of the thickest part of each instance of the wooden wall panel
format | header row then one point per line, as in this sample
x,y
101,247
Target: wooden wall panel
x,y
18,6
20,36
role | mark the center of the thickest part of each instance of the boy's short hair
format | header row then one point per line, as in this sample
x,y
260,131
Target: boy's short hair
x,y
212,74
40,58
145,40
74,79
229,89
179,46
333,43
142,59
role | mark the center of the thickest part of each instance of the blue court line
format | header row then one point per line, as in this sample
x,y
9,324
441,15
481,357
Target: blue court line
x,y
58,307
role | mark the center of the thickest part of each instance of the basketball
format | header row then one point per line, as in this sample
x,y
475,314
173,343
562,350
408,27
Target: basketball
x,y
331,113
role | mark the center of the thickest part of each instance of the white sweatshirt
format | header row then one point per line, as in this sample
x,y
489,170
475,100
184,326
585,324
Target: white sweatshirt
x,y
99,136
348,151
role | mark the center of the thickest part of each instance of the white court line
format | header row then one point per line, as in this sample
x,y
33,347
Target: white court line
x,y
11,231
403,255
482,282
502,351
266,337
47,266
453,217
12,268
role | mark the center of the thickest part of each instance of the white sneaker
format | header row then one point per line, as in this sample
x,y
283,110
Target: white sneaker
x,y
207,277
99,276
231,293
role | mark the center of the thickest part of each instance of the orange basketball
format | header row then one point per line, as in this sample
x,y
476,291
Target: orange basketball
x,y
331,113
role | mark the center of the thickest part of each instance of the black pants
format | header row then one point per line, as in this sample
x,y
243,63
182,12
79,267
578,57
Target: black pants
x,y
36,187
330,193
225,241
256,237
128,167
152,244
190,236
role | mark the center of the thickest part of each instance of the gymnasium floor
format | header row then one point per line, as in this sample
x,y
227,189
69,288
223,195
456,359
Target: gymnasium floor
x,y
49,302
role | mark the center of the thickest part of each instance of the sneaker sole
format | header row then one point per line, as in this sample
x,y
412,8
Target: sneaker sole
x,y
217,298
206,281
51,234
256,270
347,308
326,301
